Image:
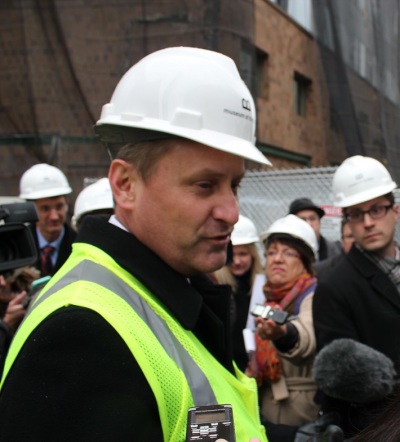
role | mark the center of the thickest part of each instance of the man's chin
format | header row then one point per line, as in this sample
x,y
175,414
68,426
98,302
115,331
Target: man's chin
x,y
216,262
205,261
378,250
54,231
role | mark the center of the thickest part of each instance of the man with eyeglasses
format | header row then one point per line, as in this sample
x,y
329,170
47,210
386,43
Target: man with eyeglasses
x,y
48,187
359,299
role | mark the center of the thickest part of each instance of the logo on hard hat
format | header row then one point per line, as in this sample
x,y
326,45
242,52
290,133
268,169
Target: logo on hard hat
x,y
246,104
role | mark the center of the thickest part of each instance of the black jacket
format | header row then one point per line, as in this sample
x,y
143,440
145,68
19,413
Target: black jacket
x,y
327,265
357,300
328,249
65,246
75,378
241,301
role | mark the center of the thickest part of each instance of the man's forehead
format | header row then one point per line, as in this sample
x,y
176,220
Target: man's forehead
x,y
208,158
305,212
50,200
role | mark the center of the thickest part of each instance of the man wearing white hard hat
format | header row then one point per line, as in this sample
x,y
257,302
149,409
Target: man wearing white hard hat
x,y
131,333
359,300
48,187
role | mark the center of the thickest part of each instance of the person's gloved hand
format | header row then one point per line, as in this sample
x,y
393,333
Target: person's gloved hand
x,y
323,429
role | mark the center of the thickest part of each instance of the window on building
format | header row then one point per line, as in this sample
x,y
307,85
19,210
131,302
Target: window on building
x,y
261,77
283,4
302,87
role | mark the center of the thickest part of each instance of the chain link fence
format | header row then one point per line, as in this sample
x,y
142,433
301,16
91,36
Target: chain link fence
x,y
265,196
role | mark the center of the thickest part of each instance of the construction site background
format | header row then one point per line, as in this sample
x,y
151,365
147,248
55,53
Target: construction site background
x,y
61,60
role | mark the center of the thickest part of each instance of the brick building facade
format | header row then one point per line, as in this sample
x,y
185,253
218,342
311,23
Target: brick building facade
x,y
62,59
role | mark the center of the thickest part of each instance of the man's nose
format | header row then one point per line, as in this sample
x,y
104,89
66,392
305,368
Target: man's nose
x,y
236,259
53,213
227,209
368,220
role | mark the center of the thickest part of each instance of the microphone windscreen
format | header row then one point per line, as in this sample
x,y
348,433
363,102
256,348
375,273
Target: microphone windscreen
x,y
348,370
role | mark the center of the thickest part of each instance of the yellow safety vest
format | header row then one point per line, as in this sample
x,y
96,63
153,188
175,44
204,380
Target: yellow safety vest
x,y
180,370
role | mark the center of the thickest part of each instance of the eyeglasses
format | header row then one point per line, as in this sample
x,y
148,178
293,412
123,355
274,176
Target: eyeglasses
x,y
375,212
287,254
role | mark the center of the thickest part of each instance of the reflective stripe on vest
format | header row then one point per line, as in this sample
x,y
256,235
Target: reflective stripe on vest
x,y
199,386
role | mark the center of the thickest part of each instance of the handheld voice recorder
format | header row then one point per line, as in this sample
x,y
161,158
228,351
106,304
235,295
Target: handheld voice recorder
x,y
267,312
209,423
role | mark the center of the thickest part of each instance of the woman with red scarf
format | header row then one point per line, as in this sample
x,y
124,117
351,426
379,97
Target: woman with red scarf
x,y
284,354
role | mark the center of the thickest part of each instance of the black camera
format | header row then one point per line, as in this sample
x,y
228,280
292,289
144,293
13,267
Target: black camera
x,y
17,246
267,312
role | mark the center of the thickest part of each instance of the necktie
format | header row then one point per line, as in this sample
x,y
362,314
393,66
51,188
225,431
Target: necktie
x,y
46,266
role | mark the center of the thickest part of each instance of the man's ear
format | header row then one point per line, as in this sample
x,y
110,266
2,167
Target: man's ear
x,y
396,211
123,181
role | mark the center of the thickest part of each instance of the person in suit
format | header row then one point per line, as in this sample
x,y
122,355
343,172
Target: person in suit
x,y
359,299
48,187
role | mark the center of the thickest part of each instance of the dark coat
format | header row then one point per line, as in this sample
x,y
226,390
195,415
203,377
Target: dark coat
x,y
328,249
64,250
327,265
241,301
357,300
75,378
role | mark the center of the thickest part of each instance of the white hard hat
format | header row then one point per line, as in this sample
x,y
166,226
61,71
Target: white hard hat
x,y
359,179
188,92
96,196
294,226
43,181
244,232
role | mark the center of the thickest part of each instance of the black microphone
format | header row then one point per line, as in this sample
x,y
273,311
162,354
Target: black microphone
x,y
348,370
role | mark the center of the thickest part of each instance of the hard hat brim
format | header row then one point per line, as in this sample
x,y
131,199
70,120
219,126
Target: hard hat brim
x,y
114,130
33,196
367,195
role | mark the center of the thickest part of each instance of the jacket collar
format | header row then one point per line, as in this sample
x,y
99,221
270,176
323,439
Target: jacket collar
x,y
185,302
374,274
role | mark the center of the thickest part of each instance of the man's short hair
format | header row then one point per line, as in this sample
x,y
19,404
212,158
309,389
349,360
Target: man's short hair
x,y
144,155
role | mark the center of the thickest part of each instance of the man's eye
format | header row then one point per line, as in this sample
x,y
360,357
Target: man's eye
x,y
205,185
